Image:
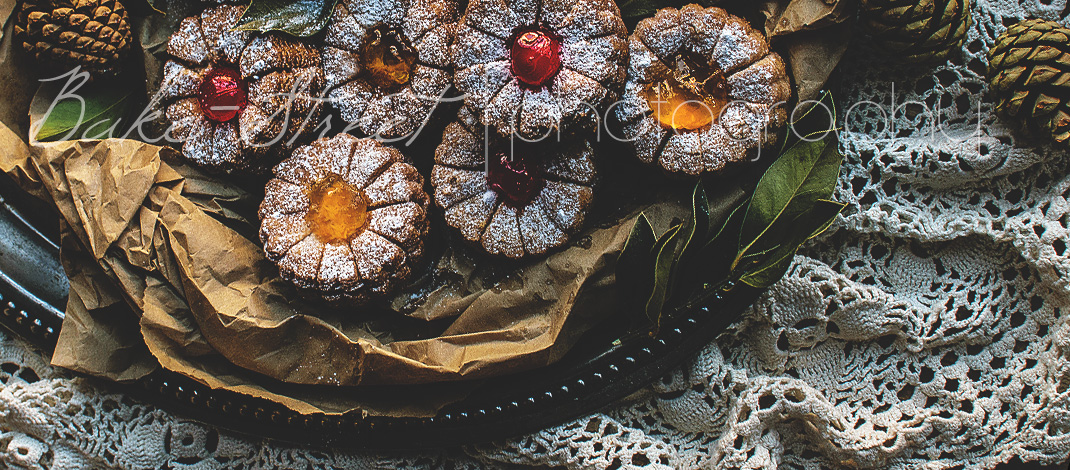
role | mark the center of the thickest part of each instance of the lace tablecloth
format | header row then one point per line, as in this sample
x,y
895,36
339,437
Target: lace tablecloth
x,y
925,331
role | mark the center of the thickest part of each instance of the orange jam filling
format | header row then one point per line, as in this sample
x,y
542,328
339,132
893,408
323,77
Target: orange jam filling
x,y
692,98
338,211
387,57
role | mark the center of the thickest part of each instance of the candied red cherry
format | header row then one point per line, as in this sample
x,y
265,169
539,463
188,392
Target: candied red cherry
x,y
535,57
516,178
222,93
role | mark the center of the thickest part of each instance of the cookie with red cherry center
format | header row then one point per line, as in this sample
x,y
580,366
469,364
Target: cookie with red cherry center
x,y
514,198
238,100
538,68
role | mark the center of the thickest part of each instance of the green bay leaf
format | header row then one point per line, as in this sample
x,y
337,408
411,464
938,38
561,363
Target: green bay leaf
x,y
88,112
636,261
696,264
770,265
803,174
299,17
663,264
639,8
693,231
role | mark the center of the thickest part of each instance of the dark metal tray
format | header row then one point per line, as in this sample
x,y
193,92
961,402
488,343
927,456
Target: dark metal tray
x,y
601,369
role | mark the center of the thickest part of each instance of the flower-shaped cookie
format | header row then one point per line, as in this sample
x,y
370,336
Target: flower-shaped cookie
x,y
703,90
515,198
236,99
345,217
532,67
388,62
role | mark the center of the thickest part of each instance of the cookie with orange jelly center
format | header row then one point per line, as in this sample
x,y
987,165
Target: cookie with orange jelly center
x,y
388,64
345,218
703,91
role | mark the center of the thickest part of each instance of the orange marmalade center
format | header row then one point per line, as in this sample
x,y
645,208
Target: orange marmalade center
x,y
338,211
692,98
387,57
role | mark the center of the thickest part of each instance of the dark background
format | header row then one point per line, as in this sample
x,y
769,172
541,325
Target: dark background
x,y
1016,464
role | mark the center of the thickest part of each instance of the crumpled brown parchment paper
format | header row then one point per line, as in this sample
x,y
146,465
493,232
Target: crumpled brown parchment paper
x,y
161,239
165,240
815,35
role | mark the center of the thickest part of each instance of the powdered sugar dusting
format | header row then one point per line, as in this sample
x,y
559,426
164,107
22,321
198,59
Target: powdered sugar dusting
x,y
280,232
540,113
471,215
587,56
380,256
565,203
760,82
224,43
502,236
453,185
301,264
706,25
586,23
282,197
357,93
370,158
258,138
575,93
338,269
188,43
371,12
664,34
575,164
538,232
271,52
427,26
214,145
493,16
464,150
739,45
345,31
757,85
179,81
381,263
644,66
484,77
402,224
501,112
461,189
399,183
478,47
186,118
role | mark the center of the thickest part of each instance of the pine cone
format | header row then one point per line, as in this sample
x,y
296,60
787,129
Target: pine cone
x,y
1029,71
918,31
63,34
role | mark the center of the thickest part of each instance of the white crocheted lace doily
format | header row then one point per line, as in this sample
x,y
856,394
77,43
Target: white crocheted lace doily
x,y
926,331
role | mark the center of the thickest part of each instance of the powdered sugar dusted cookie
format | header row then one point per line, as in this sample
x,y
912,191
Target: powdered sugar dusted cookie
x,y
513,200
533,68
237,99
703,90
388,63
345,217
